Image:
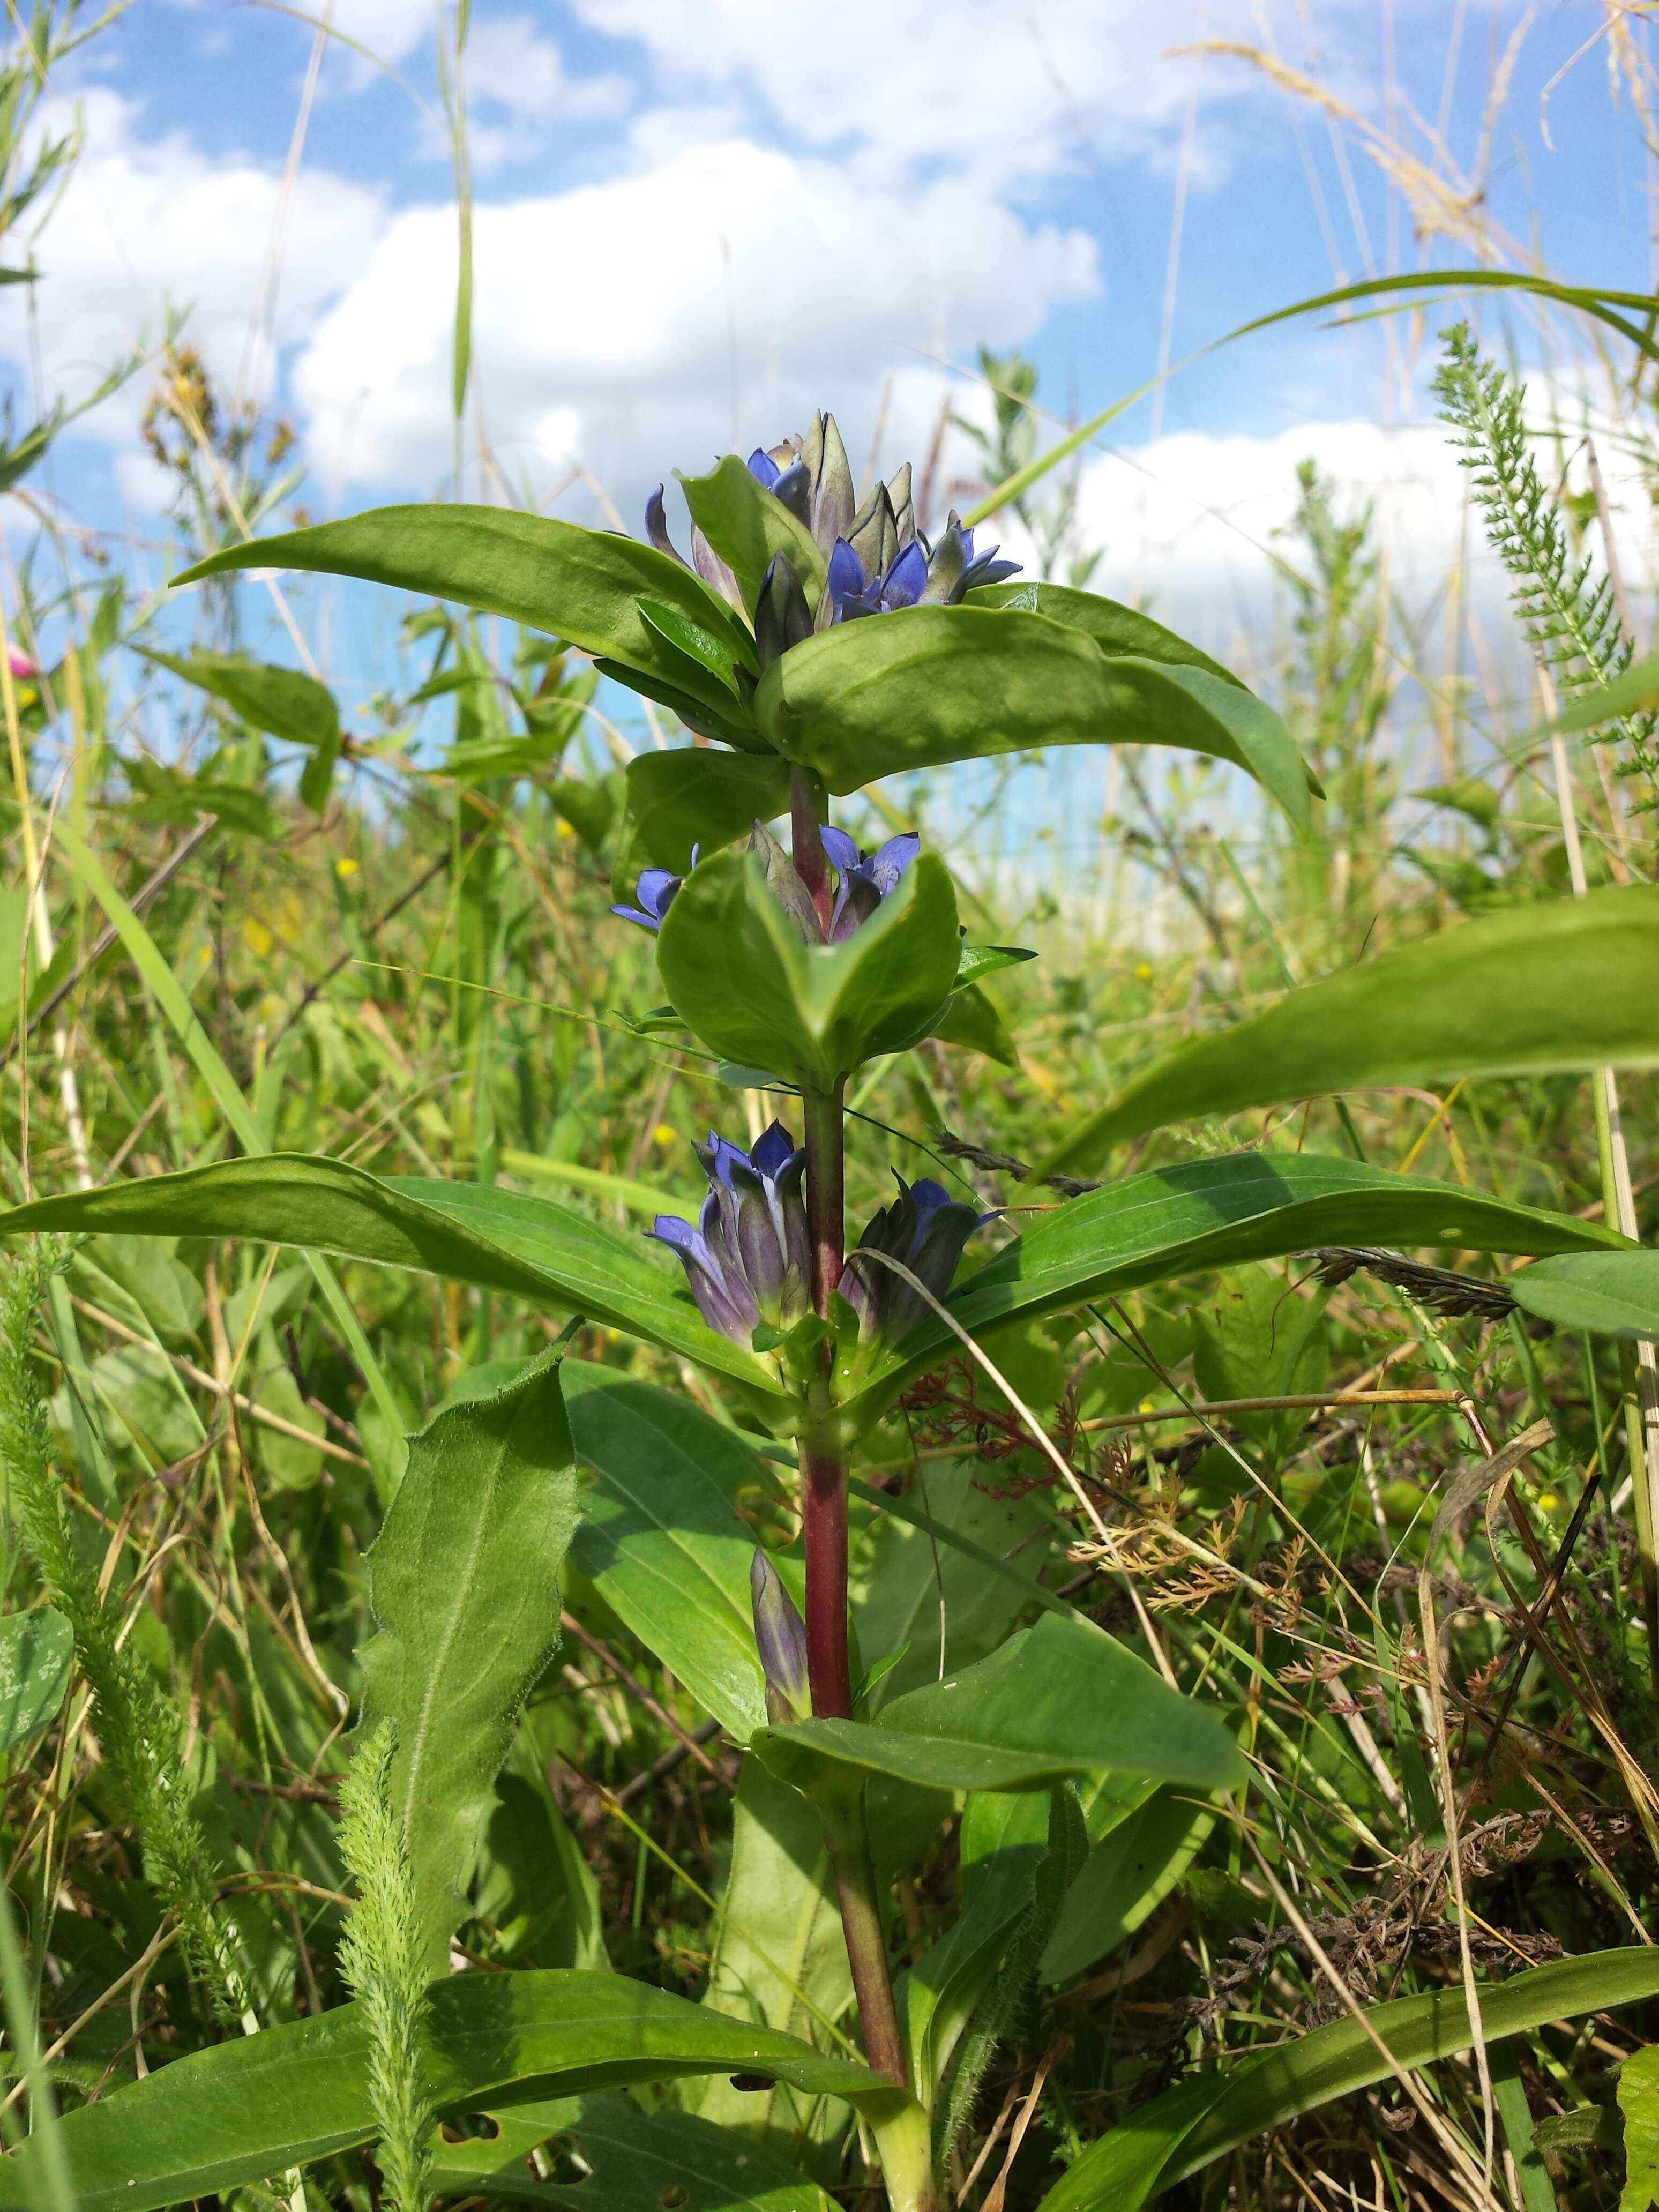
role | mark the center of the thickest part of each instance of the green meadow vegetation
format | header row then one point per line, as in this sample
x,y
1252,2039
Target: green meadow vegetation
x,y
1118,1668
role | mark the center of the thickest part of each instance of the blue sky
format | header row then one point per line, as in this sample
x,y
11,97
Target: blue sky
x,y
698,218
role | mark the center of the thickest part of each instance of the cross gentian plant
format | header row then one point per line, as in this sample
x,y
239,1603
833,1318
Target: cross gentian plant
x,y
819,643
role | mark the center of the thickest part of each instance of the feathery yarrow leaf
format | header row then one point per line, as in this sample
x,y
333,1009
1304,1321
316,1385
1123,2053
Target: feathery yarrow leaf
x,y
1567,610
380,1958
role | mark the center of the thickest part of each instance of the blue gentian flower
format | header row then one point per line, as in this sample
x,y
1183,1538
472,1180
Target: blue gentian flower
x,y
655,894
781,1639
926,1230
919,576
877,561
748,1257
866,877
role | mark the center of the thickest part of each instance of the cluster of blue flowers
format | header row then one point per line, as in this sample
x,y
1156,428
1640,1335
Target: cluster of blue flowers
x,y
864,880
877,560
748,1257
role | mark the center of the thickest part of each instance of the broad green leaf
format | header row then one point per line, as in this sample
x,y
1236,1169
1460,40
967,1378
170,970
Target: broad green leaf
x,y
288,1463
1120,631
1639,2100
1219,1214
1614,1293
930,684
167,795
581,584
1204,2118
1058,1700
468,1232
661,1539
636,2162
911,1587
695,796
981,960
972,1021
463,1587
1536,991
1125,1877
590,808
35,1651
746,526
1466,794
699,714
257,2104
284,703
780,1957
1123,2169
719,652
1004,1842
743,979
531,1882
1334,2060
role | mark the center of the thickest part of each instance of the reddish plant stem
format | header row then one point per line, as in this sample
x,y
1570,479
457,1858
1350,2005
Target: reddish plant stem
x,y
846,1834
822,1456
824,1513
807,847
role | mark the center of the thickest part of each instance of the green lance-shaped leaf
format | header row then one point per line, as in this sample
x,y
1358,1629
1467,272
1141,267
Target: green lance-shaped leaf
x,y
466,1232
744,981
1058,1700
245,2109
636,2162
978,961
1638,2103
1119,631
1220,1213
746,526
779,1956
1129,1873
1613,1293
284,703
661,1538
1004,1840
35,1651
1535,991
1202,2119
972,1021
926,686
695,797
464,1585
581,584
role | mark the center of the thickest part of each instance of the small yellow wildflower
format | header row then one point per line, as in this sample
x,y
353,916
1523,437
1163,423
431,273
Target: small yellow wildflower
x,y
257,937
662,1134
1144,973
346,865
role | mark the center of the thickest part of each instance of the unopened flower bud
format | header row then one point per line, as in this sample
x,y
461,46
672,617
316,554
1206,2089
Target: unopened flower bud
x,y
780,1638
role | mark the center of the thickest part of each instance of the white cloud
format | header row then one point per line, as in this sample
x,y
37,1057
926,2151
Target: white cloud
x,y
148,223
517,84
1000,91
630,305
510,62
389,29
1196,528
1192,523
